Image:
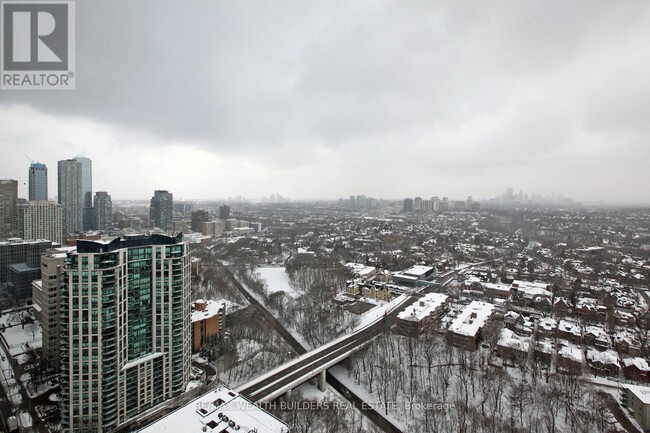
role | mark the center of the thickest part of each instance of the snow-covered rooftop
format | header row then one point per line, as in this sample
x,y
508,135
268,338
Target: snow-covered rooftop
x,y
529,289
212,309
360,269
497,287
512,340
423,307
571,352
221,410
641,392
548,324
639,363
569,327
413,273
472,318
607,357
417,270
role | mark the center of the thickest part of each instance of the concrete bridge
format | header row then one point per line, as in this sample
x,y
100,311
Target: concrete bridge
x,y
315,363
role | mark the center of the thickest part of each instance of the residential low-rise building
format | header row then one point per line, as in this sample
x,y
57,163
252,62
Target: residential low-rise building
x,y
513,347
417,317
605,363
636,369
208,320
464,331
637,401
569,331
570,357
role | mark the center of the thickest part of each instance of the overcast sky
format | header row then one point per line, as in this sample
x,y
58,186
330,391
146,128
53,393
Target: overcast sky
x,y
310,99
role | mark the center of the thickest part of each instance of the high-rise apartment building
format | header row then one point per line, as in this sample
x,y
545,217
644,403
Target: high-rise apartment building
x,y
198,218
125,329
161,211
45,296
103,211
408,205
41,220
8,208
37,182
86,192
435,204
70,188
224,212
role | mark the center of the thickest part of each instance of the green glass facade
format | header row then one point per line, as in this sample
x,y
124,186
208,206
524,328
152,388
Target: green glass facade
x,y
125,330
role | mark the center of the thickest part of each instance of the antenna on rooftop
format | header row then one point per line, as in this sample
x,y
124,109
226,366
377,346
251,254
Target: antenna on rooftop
x,y
28,158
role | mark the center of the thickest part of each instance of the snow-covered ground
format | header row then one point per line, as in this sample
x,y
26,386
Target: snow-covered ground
x,y
193,384
20,340
373,401
11,387
379,311
277,280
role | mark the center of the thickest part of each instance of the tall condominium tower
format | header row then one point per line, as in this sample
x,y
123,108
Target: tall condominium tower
x,y
125,329
161,211
86,191
71,194
103,211
8,208
40,220
37,181
224,212
45,296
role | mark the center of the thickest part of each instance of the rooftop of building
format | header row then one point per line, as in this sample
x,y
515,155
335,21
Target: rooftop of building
x,y
127,241
22,268
472,318
60,252
641,392
20,241
417,271
360,269
212,308
222,410
423,307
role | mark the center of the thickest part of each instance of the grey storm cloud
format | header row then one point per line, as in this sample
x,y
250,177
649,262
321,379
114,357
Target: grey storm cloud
x,y
385,98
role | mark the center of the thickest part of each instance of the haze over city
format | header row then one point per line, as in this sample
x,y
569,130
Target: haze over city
x,y
323,100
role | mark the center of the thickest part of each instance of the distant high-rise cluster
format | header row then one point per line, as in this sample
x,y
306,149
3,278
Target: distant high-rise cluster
x,y
275,198
362,202
39,218
435,204
510,198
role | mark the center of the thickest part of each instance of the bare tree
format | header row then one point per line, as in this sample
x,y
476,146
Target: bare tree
x,y
32,328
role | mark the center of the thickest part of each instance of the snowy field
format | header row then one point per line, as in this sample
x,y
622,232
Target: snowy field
x,y
276,280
